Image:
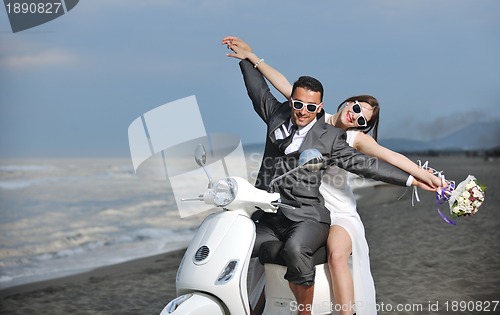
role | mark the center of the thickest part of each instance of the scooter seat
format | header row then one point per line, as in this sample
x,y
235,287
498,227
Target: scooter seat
x,y
270,253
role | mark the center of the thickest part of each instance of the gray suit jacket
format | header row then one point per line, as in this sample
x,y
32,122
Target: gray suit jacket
x,y
303,186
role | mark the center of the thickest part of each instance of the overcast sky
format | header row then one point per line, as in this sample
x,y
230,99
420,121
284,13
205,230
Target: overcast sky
x,y
72,86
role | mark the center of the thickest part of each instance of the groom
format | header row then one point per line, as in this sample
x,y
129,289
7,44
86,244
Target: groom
x,y
301,121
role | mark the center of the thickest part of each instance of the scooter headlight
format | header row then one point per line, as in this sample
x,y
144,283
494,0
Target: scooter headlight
x,y
225,191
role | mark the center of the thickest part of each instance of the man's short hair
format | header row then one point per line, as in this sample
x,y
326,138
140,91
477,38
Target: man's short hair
x,y
309,83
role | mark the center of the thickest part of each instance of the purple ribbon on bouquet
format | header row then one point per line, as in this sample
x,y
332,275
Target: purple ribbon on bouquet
x,y
442,196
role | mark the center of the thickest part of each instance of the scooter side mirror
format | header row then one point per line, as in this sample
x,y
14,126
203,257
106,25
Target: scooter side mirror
x,y
200,155
311,159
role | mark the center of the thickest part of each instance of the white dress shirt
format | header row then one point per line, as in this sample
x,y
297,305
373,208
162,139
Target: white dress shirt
x,y
284,131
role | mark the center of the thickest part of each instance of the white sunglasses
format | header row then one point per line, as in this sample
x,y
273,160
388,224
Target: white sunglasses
x,y
357,109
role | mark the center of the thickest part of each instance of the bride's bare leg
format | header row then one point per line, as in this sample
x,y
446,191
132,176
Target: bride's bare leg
x,y
339,250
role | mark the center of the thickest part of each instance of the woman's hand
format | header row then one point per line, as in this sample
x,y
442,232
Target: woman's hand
x,y
430,183
432,180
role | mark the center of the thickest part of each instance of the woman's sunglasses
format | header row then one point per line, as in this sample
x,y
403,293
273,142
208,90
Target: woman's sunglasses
x,y
297,105
361,120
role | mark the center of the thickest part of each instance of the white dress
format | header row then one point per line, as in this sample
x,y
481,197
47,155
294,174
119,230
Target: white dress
x,y
340,200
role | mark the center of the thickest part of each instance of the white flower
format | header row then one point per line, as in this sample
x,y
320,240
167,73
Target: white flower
x,y
469,209
466,194
477,193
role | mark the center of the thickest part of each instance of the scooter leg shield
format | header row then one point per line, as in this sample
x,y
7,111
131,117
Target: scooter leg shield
x,y
193,304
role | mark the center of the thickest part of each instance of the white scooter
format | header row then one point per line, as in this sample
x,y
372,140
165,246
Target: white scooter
x,y
212,276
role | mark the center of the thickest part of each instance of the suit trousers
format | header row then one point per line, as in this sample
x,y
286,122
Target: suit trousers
x,y
300,238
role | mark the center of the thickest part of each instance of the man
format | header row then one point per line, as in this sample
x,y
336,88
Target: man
x,y
304,229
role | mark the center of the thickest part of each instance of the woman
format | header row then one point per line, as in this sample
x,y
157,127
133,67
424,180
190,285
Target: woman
x,y
359,116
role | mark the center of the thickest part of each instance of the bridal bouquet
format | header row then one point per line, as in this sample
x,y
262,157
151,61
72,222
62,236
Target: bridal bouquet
x,y
466,198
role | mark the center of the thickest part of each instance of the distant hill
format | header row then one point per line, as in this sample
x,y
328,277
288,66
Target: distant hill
x,y
478,136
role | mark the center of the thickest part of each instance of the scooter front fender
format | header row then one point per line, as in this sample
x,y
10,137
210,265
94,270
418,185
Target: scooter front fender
x,y
194,304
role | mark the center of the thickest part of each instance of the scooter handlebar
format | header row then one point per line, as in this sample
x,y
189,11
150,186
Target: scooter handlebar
x,y
287,203
207,197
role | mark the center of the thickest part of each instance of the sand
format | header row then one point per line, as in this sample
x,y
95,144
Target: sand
x,y
419,263
417,258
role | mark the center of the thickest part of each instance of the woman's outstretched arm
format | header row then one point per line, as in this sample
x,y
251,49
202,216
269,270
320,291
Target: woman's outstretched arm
x,y
243,51
366,144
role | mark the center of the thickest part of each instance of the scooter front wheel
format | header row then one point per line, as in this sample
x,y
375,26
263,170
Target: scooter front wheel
x,y
193,304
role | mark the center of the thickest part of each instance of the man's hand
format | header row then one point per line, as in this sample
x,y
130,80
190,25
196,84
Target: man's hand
x,y
235,42
423,185
430,185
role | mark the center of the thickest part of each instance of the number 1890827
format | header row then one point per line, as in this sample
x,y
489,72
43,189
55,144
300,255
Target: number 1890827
x,y
471,306
33,7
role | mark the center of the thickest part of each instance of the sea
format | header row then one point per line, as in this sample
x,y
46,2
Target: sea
x,y
65,216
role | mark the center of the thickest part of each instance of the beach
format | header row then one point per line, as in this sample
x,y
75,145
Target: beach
x,y
418,260
420,264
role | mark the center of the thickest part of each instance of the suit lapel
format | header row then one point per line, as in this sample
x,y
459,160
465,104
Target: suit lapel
x,y
314,135
281,117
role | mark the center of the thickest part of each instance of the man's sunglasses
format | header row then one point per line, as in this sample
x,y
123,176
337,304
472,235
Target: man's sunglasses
x,y
361,120
297,105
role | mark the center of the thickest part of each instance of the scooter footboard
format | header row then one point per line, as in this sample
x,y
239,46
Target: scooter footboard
x,y
193,304
280,299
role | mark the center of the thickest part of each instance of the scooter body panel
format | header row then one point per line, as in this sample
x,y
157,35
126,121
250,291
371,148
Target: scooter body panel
x,y
221,248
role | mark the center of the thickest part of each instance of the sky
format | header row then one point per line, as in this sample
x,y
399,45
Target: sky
x,y
72,86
